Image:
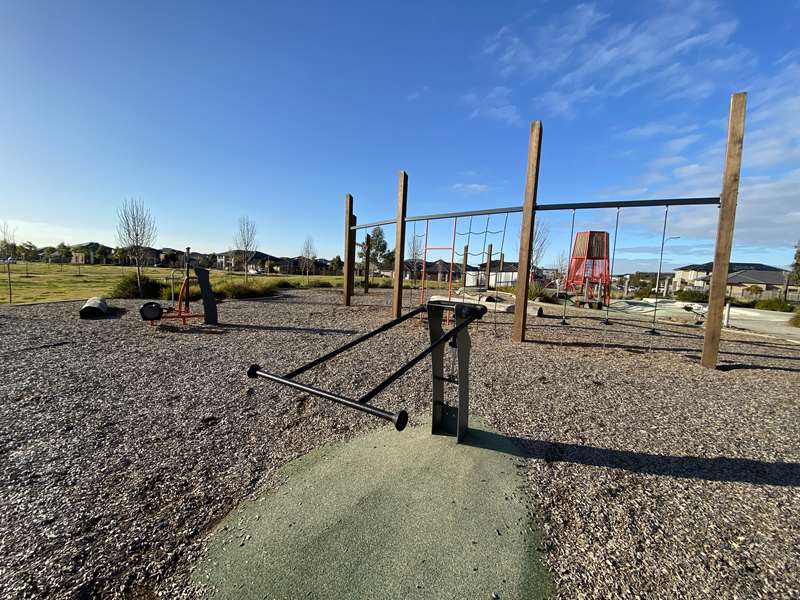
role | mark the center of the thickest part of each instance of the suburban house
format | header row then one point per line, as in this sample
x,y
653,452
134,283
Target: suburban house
x,y
90,253
506,277
749,280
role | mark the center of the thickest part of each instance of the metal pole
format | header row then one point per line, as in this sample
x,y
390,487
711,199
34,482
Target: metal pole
x,y
186,260
399,419
658,275
8,268
613,255
569,254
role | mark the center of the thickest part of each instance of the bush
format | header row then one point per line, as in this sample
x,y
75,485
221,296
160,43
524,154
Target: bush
x,y
691,296
774,304
645,292
238,289
795,320
127,288
741,302
194,291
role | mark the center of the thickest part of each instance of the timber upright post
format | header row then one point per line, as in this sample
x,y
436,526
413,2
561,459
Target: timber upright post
x,y
488,266
500,271
400,242
366,264
526,237
349,249
464,266
727,218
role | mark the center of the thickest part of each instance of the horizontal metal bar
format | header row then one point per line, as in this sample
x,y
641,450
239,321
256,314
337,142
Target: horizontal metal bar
x,y
400,419
351,343
408,366
558,206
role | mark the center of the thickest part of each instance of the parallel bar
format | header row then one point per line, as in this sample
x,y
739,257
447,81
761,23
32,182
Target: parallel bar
x,y
408,366
559,206
355,342
399,419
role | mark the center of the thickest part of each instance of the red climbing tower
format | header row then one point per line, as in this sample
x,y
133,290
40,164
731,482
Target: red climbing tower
x,y
589,278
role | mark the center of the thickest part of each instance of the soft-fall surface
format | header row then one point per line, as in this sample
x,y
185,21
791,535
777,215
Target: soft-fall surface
x,y
122,445
387,515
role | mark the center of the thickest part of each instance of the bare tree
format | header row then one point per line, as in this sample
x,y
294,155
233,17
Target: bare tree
x,y
414,254
245,242
541,241
136,231
307,256
8,246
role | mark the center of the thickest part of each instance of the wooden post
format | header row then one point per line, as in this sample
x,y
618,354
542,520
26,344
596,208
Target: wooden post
x,y
399,245
464,265
500,271
526,237
366,265
349,249
488,266
727,218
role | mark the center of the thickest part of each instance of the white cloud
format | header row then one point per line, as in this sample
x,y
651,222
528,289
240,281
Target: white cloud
x,y
469,188
495,105
655,128
417,94
679,144
679,52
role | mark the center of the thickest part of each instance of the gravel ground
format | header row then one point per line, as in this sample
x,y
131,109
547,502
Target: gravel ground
x,y
121,444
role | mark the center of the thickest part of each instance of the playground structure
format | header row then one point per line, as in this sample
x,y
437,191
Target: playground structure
x,y
153,312
589,274
447,419
726,201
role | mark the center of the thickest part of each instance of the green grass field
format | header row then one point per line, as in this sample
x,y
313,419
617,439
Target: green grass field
x,y
42,282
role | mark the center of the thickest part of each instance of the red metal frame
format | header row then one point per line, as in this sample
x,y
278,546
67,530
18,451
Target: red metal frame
x,y
589,276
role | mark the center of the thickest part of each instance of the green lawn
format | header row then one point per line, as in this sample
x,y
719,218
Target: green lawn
x,y
50,282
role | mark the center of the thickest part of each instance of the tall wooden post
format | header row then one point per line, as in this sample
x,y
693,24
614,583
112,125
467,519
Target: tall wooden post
x,y
366,264
727,218
488,266
399,245
526,237
500,271
349,249
464,266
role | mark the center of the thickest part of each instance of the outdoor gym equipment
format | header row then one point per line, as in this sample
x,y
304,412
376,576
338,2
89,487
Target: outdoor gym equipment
x,y
446,419
155,311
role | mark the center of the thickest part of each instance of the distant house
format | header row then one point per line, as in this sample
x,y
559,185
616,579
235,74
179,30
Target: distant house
x,y
232,259
744,279
89,253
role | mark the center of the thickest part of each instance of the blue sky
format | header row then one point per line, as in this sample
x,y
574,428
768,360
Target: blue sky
x,y
211,111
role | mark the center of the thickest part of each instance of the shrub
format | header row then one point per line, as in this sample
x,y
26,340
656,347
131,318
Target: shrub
x,y
644,292
774,304
691,296
194,291
238,289
741,302
127,288
795,320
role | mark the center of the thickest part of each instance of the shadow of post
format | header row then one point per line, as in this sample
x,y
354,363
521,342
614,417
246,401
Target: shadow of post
x,y
742,470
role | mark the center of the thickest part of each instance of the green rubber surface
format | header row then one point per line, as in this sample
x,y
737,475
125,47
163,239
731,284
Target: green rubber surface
x,y
386,515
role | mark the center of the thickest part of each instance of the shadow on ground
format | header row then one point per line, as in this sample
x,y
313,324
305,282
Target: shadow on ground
x,y
693,467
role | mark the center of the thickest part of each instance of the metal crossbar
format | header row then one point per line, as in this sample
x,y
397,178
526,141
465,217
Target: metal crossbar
x,y
559,206
468,314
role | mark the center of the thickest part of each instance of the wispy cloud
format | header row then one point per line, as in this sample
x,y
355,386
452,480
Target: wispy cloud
x,y
678,144
469,188
655,129
678,52
417,94
495,105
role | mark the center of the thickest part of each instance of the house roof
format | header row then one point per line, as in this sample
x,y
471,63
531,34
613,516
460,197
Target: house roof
x,y
732,267
750,276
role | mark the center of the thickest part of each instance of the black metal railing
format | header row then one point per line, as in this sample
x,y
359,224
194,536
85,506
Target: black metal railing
x,y
468,313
